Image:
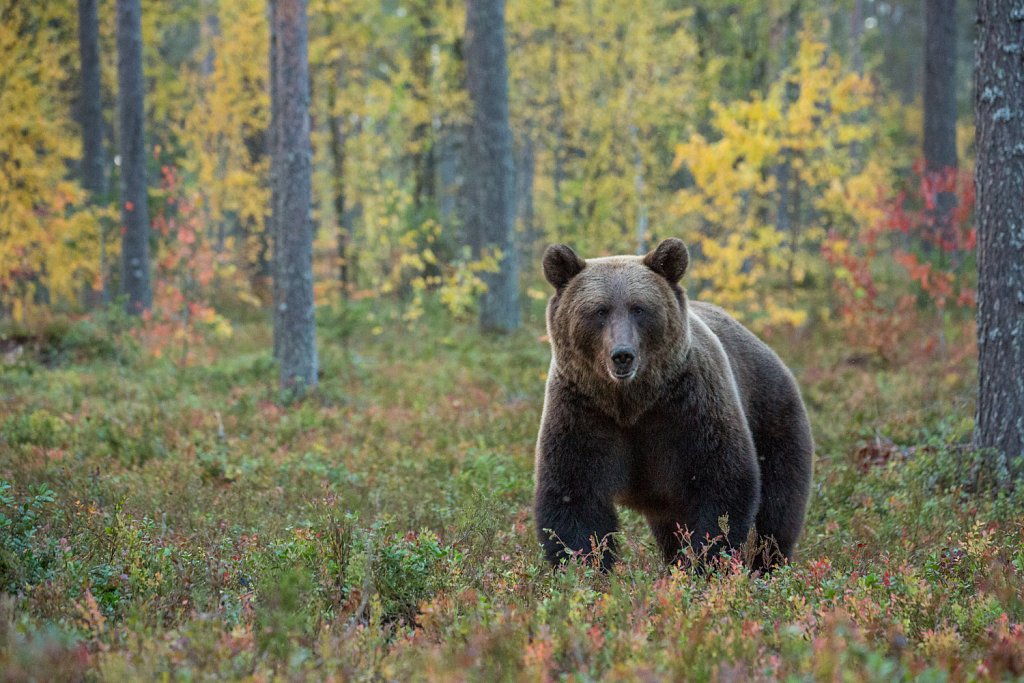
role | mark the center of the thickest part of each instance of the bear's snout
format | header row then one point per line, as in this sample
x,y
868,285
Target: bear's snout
x,y
623,362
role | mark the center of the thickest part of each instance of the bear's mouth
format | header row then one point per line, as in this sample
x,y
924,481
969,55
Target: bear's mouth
x,y
622,375
623,362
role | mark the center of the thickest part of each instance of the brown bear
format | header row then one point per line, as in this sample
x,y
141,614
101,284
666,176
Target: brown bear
x,y
669,407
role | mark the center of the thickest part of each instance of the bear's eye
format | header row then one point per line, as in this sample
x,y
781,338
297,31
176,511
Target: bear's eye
x,y
602,312
638,311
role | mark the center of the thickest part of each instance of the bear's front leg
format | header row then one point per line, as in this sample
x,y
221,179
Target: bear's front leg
x,y
578,471
570,523
730,501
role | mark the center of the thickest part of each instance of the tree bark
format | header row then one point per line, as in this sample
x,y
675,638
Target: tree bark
x,y
525,171
940,106
293,270
269,242
490,181
211,31
999,108
135,278
857,36
94,163
342,215
558,114
639,185
856,47
787,180
424,176
450,181
254,231
94,177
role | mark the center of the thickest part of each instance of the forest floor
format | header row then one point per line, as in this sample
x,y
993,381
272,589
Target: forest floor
x,y
166,521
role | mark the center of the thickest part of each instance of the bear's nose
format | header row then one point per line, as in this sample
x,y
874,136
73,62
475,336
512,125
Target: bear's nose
x,y
623,357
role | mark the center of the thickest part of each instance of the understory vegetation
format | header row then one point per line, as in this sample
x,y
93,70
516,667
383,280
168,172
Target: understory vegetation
x,y
164,518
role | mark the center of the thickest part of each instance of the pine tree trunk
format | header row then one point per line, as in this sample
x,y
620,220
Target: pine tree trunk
x,y
135,278
999,75
254,232
293,270
558,115
210,32
94,177
342,216
424,172
525,170
94,164
857,36
856,46
940,105
787,180
269,242
639,188
490,179
450,146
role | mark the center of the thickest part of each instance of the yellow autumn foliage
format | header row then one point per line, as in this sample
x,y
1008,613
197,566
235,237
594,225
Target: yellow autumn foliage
x,y
224,132
49,236
599,88
639,121
804,140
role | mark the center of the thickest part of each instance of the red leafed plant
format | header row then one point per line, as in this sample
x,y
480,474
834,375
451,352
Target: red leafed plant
x,y
929,237
186,265
947,241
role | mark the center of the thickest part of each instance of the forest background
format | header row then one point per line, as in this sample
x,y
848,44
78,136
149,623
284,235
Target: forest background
x,y
158,511
782,142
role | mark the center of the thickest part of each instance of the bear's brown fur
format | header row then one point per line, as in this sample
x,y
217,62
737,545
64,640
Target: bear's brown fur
x,y
666,406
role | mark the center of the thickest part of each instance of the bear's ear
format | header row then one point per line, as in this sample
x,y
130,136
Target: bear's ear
x,y
669,260
561,264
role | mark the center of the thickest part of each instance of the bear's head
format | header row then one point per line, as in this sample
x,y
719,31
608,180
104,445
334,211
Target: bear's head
x,y
619,322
